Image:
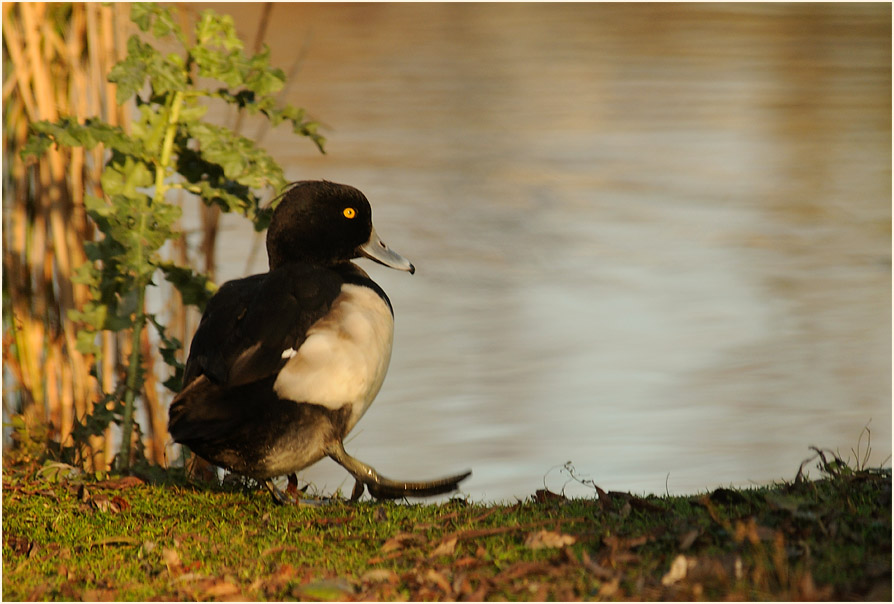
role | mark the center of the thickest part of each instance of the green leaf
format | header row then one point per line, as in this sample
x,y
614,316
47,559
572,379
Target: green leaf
x,y
213,29
141,14
165,74
95,131
36,146
130,74
169,347
69,133
195,289
123,175
168,74
160,19
93,317
261,78
192,112
239,158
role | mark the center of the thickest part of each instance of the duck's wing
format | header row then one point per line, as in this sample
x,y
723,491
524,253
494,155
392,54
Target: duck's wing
x,y
251,324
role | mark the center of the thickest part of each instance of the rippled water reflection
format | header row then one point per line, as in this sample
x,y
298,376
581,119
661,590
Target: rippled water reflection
x,y
652,240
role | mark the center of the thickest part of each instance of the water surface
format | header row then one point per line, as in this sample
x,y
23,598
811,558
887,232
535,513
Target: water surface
x,y
652,240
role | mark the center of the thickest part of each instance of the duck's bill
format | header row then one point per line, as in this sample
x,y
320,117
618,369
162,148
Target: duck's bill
x,y
375,249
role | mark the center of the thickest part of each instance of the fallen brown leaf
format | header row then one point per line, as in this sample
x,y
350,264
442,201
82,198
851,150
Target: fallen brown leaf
x,y
598,570
379,575
545,539
400,541
380,559
108,506
752,531
172,560
605,500
446,548
461,584
688,538
438,579
326,589
125,482
220,589
276,581
275,549
521,569
545,495
480,594
678,570
609,588
120,502
100,595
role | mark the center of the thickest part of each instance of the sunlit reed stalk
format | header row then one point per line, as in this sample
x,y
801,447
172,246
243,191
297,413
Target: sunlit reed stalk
x,y
58,57
46,242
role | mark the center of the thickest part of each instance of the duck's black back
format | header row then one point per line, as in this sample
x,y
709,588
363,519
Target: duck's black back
x,y
240,341
251,321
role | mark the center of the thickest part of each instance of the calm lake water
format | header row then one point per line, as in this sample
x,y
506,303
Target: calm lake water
x,y
652,240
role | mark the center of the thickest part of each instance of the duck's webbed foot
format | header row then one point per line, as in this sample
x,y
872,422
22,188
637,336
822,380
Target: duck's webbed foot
x,y
385,488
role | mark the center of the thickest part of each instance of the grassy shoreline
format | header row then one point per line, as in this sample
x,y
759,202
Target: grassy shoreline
x,y
125,539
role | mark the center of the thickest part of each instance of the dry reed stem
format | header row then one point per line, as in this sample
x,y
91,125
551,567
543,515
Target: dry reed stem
x,y
53,198
47,80
158,430
54,73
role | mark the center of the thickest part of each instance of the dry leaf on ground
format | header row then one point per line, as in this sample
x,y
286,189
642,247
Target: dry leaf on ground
x,y
378,575
172,560
544,539
445,549
679,567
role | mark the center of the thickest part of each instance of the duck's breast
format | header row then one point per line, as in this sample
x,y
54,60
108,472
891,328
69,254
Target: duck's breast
x,y
345,356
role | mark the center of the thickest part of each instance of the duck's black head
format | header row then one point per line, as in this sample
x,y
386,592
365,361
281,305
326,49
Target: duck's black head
x,y
326,223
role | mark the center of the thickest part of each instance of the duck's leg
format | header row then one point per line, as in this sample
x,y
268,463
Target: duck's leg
x,y
284,498
385,488
292,488
358,491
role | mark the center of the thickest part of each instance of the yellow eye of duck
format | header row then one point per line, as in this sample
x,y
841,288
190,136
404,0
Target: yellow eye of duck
x,y
349,212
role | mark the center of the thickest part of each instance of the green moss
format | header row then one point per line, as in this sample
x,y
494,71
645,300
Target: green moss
x,y
106,540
